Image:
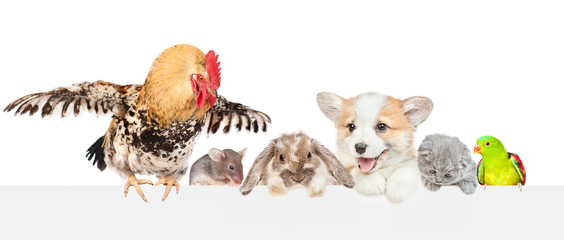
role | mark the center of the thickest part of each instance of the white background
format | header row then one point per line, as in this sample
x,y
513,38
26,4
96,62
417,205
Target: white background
x,y
490,67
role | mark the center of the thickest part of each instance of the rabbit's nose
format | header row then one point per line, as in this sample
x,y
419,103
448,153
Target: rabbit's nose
x,y
298,177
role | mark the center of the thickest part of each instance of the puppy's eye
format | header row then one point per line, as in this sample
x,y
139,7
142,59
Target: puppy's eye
x,y
281,157
382,127
448,175
351,127
231,167
309,155
432,171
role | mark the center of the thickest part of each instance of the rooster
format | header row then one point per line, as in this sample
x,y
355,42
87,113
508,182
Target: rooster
x,y
155,125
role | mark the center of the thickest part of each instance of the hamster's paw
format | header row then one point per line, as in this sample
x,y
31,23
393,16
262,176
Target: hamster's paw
x,y
467,187
372,184
277,188
316,188
401,184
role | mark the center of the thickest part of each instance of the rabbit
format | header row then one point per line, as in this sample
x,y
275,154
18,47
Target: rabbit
x,y
293,160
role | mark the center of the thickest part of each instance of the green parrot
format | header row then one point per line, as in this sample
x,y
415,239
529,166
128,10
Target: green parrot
x,y
497,166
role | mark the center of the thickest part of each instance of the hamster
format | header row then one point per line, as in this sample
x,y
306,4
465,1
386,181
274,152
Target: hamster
x,y
218,168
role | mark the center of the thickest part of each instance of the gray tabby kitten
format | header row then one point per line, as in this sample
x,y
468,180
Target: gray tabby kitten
x,y
445,160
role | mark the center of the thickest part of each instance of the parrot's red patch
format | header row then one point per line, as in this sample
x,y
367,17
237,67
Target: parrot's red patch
x,y
205,89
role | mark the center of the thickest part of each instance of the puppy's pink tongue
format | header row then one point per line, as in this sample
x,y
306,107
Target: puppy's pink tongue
x,y
366,164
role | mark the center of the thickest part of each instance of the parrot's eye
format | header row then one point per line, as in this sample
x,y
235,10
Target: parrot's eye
x,y
382,127
231,167
281,157
351,127
432,171
448,175
487,144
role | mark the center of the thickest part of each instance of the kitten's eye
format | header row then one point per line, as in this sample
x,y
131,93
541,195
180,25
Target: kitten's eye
x,y
382,127
448,175
309,155
231,167
351,127
487,144
281,157
432,171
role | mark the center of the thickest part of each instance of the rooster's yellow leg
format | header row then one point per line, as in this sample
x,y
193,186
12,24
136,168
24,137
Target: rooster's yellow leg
x,y
133,181
169,181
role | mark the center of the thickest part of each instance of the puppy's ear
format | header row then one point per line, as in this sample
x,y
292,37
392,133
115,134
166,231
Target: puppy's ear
x,y
336,168
216,154
417,109
330,104
258,167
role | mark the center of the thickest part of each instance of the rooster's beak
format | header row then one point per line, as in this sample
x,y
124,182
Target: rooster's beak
x,y
477,149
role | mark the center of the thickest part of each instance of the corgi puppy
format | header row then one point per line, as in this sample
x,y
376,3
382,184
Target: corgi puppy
x,y
375,140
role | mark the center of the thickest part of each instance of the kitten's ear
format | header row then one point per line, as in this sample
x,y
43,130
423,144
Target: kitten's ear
x,y
461,164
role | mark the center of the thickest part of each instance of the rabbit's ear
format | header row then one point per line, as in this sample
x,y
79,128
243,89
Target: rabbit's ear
x,y
258,167
336,168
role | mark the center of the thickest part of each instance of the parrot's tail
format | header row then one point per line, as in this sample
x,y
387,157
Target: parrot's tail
x,y
96,151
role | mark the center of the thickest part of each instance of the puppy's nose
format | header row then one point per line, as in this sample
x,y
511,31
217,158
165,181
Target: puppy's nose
x,y
360,148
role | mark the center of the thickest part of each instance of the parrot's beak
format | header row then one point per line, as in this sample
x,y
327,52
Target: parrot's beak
x,y
477,149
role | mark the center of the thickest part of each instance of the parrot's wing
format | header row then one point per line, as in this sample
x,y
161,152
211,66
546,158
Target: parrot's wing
x,y
480,173
519,167
100,97
227,114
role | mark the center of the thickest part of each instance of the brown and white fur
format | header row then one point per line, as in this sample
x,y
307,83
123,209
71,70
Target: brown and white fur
x,y
375,140
295,160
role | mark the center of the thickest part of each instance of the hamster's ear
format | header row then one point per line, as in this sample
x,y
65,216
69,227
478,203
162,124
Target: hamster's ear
x,y
331,105
216,154
258,167
417,109
336,168
242,153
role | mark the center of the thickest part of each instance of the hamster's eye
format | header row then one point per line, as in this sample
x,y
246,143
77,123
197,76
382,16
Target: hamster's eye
x,y
382,127
432,171
309,155
448,175
281,157
231,167
351,127
487,144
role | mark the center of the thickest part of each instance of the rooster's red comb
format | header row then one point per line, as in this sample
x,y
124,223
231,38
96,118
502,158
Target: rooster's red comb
x,y
213,69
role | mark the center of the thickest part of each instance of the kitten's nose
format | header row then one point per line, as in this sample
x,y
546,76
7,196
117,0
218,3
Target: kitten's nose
x,y
360,148
439,180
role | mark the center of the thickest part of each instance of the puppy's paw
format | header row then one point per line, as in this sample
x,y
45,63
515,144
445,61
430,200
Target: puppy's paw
x,y
467,187
401,184
277,188
372,184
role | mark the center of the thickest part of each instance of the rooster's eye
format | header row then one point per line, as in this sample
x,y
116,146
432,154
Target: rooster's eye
x,y
200,78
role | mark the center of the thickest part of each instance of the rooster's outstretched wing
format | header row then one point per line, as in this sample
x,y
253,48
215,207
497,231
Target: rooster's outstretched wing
x,y
99,97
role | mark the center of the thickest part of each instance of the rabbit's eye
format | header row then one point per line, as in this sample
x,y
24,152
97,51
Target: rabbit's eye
x,y
309,155
281,157
231,167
